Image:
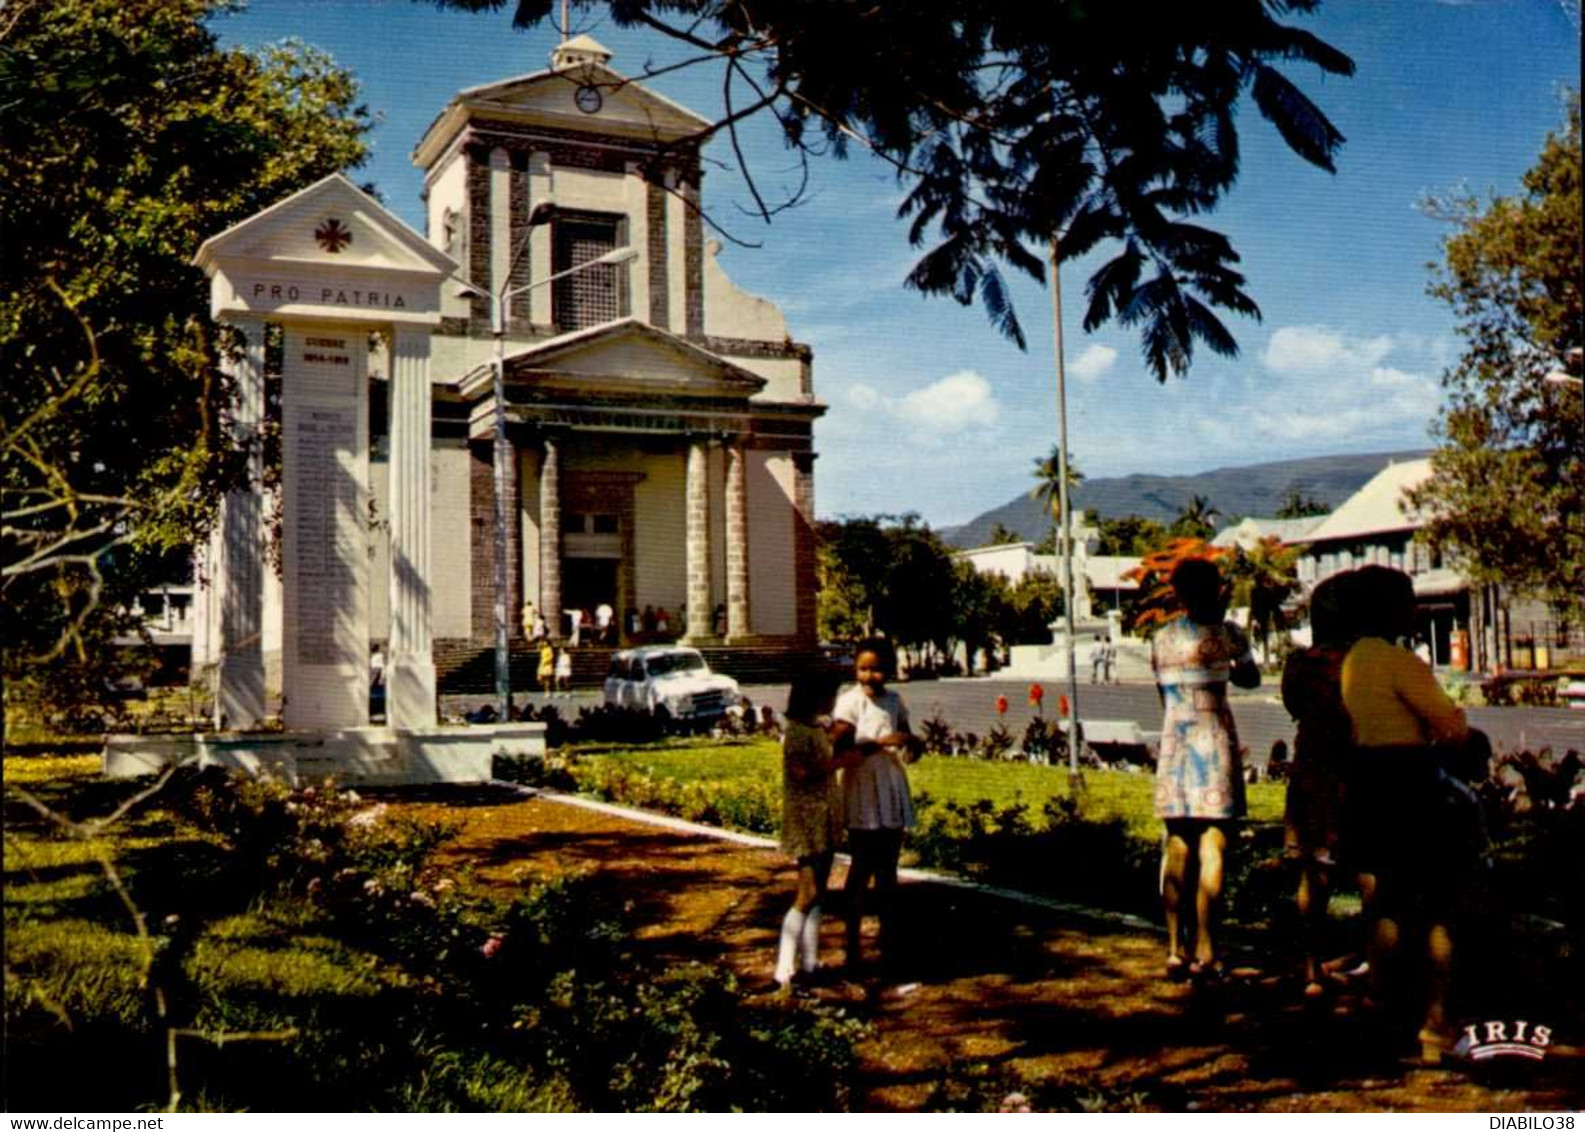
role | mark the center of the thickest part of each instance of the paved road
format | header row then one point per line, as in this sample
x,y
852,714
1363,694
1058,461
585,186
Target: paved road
x,y
970,705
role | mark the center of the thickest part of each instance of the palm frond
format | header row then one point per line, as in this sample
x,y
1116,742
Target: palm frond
x,y
1308,132
999,306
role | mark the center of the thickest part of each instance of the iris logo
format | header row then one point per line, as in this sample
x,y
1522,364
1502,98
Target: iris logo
x,y
1482,1041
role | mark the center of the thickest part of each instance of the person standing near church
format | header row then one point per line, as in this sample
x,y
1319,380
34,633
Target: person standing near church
x,y
530,621
547,668
603,613
564,672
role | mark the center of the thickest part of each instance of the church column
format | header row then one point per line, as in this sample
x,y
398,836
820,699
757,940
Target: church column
x,y
410,676
737,576
805,585
550,535
239,692
698,541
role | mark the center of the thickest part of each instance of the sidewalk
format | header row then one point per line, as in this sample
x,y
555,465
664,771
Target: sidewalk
x,y
1048,994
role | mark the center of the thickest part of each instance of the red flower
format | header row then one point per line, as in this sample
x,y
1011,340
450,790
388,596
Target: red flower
x,y
1001,705
1062,706
1037,695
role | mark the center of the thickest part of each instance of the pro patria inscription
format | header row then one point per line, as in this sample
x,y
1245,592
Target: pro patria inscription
x,y
261,295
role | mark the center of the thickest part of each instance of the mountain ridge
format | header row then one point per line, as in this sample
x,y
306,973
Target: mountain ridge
x,y
1235,491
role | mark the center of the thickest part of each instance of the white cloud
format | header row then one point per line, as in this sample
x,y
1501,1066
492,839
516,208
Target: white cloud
x,y
957,403
1317,349
1387,376
1323,386
863,397
1094,362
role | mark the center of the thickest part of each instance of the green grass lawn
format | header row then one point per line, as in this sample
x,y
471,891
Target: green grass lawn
x,y
1106,794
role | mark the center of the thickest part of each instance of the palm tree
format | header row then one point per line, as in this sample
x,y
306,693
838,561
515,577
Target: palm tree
x,y
1048,473
1196,520
1264,577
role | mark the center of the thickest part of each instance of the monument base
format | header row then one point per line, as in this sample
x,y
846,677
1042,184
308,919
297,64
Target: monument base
x,y
1050,662
373,756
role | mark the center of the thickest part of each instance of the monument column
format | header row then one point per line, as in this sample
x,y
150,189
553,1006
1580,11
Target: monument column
x,y
239,691
324,478
697,495
550,535
410,676
737,576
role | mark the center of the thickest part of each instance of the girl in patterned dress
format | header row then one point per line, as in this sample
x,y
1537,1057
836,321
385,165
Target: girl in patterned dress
x,y
811,823
1199,779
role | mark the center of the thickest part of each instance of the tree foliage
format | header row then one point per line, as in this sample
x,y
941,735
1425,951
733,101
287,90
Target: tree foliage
x,y
1014,124
1048,482
894,576
1196,519
1129,536
129,136
1264,577
1507,493
1155,604
1297,505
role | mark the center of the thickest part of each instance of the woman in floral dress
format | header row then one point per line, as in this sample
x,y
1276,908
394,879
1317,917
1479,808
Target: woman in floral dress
x,y
1199,775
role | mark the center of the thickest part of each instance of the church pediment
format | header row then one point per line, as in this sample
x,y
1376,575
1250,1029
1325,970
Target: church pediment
x,y
617,104
583,97
629,357
328,249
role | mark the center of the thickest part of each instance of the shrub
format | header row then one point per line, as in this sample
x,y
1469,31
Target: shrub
x,y
981,1087
384,982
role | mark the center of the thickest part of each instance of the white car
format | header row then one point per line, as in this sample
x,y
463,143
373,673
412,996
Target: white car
x,y
669,680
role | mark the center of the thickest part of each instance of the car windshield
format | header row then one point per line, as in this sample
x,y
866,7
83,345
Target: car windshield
x,y
674,662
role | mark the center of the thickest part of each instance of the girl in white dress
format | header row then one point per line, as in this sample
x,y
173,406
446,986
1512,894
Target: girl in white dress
x,y
872,722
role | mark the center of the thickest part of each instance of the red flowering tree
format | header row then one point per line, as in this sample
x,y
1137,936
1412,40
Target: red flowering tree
x,y
1156,605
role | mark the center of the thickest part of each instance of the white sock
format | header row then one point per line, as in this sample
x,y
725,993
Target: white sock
x,y
792,926
809,940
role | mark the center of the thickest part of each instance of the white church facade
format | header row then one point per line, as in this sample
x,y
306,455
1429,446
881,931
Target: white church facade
x,y
659,421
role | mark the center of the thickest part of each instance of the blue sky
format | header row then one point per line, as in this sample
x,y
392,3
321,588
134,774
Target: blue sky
x,y
930,409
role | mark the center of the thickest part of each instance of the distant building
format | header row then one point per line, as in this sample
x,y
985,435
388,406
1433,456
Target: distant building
x,y
1377,526
1246,534
1104,580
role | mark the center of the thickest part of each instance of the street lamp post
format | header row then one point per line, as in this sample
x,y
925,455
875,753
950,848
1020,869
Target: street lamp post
x,y
1075,728
498,301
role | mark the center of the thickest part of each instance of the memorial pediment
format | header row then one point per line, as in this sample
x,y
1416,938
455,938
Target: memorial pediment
x,y
627,357
328,251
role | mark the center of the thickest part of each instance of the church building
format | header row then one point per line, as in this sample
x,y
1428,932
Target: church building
x,y
658,419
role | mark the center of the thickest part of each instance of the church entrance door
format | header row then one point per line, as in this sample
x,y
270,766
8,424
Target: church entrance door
x,y
587,584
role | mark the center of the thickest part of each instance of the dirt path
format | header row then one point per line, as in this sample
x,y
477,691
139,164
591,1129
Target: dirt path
x,y
1045,996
